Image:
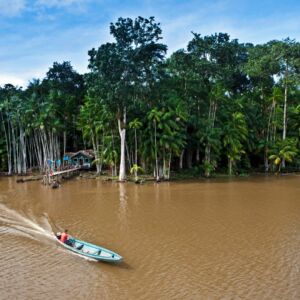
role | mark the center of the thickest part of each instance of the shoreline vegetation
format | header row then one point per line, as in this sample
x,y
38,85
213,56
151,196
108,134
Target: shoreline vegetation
x,y
148,178
184,176
216,107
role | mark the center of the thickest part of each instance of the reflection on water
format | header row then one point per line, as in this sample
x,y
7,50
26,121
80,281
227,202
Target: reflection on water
x,y
208,239
123,203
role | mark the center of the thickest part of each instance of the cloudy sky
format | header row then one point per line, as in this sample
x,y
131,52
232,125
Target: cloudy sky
x,y
35,33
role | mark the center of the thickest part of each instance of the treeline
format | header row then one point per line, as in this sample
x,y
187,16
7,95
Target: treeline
x,y
216,106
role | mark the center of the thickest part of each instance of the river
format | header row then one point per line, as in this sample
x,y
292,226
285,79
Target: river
x,y
229,239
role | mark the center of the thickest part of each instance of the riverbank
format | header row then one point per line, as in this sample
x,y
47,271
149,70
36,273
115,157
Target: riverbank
x,y
179,176
145,178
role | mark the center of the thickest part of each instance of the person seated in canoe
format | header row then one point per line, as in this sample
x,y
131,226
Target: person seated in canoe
x,y
65,238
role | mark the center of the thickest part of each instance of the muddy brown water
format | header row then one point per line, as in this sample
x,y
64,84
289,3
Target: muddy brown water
x,y
228,239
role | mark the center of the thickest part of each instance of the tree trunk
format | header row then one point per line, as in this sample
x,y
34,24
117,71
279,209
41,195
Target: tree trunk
x,y
164,171
135,154
197,155
189,158
230,166
8,145
23,151
169,167
181,159
96,152
266,159
207,160
10,166
65,141
156,158
15,150
284,114
128,156
211,118
114,159
122,132
98,165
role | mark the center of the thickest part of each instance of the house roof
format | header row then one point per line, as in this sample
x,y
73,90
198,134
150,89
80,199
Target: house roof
x,y
86,153
69,154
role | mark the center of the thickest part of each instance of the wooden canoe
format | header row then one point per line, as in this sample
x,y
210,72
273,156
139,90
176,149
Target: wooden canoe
x,y
92,251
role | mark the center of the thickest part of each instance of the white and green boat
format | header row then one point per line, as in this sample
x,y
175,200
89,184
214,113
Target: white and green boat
x,y
91,250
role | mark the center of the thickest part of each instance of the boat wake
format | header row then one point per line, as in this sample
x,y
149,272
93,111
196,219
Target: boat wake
x,y
14,223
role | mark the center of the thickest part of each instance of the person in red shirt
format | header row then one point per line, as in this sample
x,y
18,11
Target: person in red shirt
x,y
64,236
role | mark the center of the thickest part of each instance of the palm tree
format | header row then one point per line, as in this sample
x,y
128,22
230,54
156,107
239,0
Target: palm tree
x,y
285,150
135,124
235,133
155,116
135,169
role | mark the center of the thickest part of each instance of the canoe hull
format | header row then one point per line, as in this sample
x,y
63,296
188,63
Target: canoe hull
x,y
92,251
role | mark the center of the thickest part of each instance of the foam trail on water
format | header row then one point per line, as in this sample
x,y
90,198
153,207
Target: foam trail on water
x,y
16,223
13,223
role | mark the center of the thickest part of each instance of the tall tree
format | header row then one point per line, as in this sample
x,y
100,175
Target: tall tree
x,y
261,69
66,92
235,133
287,53
123,72
217,61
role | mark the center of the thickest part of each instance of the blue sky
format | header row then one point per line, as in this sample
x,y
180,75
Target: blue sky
x,y
35,33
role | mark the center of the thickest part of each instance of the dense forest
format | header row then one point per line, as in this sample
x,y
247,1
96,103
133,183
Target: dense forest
x,y
217,106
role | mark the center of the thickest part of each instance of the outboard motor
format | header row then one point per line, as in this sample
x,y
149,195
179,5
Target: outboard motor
x,y
58,235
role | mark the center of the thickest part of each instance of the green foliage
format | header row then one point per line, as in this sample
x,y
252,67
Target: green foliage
x,y
135,170
284,150
216,104
235,133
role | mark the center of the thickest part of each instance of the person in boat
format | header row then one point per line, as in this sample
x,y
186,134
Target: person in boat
x,y
65,238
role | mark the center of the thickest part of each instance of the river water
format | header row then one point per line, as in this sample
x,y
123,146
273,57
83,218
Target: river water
x,y
229,239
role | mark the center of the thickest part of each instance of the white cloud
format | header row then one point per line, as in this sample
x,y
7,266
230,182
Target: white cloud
x,y
19,66
12,79
11,8
177,30
46,38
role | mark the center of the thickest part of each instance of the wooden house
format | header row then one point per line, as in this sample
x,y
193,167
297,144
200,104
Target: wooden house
x,y
82,158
